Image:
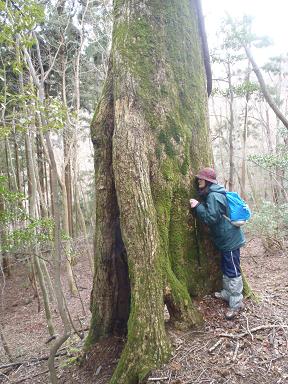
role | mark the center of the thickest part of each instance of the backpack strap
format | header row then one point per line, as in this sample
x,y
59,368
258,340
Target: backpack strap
x,y
226,205
237,223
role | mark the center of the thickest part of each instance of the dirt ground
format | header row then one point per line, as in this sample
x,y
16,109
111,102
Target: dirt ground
x,y
253,348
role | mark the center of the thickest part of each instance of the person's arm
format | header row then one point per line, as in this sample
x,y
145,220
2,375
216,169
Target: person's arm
x,y
210,213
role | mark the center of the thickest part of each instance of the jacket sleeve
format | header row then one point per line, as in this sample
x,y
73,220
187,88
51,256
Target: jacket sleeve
x,y
211,212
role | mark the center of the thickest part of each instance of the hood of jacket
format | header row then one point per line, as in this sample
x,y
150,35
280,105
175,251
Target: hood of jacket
x,y
217,188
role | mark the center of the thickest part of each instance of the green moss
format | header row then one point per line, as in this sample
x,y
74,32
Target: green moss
x,y
164,138
158,152
185,166
137,45
247,290
129,371
169,149
70,361
143,352
95,331
162,53
142,44
174,128
178,235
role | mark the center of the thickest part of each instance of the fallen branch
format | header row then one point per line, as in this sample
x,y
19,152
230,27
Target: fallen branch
x,y
251,330
158,378
34,360
30,377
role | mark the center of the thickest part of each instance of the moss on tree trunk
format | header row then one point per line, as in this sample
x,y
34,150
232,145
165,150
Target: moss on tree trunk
x,y
150,134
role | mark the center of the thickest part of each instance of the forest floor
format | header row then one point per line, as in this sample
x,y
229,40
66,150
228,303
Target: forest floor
x,y
252,348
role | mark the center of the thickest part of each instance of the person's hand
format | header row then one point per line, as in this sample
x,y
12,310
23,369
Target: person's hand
x,y
193,203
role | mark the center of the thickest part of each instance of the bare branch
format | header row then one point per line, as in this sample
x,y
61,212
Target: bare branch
x,y
265,92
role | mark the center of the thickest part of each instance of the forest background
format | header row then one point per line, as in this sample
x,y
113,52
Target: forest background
x,y
53,63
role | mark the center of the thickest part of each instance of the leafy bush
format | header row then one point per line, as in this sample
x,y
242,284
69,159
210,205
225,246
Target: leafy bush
x,y
32,231
18,230
270,224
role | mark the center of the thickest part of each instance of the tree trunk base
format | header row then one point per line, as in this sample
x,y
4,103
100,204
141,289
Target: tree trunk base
x,y
136,363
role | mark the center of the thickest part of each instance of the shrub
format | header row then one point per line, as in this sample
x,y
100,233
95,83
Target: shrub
x,y
270,224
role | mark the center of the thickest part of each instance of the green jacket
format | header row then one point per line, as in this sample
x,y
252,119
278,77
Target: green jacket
x,y
225,236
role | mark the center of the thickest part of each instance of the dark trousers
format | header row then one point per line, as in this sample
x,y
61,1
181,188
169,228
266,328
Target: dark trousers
x,y
232,279
230,263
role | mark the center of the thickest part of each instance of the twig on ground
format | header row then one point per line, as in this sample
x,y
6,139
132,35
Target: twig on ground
x,y
247,326
251,330
53,337
286,341
211,349
272,361
185,353
158,378
190,381
203,371
6,377
18,369
236,351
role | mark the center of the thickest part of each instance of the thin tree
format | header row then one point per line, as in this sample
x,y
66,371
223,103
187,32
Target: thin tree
x,y
242,33
264,89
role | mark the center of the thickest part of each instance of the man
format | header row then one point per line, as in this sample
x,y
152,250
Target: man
x,y
226,237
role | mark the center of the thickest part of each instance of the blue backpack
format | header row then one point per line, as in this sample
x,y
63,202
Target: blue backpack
x,y
238,211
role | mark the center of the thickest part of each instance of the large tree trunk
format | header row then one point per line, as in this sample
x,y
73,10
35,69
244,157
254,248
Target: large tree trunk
x,y
150,135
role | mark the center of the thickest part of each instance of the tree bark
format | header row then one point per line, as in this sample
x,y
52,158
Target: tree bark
x,y
231,131
33,216
254,194
150,135
4,257
40,177
17,163
245,135
10,167
56,265
65,215
68,182
5,343
82,225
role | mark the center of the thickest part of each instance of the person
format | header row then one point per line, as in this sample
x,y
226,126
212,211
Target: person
x,y
226,237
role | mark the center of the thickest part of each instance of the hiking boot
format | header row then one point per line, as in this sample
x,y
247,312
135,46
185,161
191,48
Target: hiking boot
x,y
218,295
233,312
